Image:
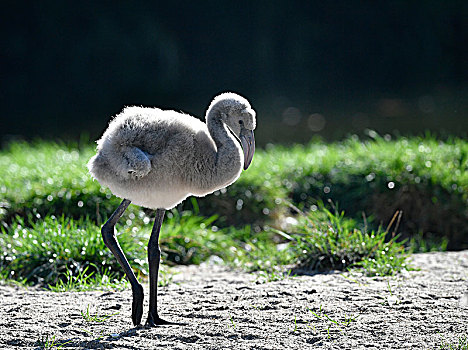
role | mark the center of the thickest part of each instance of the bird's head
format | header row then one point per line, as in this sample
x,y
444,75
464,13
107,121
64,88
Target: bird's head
x,y
235,111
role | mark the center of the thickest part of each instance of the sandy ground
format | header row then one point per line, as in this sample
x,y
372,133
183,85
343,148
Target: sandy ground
x,y
225,309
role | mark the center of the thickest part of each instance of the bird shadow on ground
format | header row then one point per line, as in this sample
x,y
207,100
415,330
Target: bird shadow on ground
x,y
97,343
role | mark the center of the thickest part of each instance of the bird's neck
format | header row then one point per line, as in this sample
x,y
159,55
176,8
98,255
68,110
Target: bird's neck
x,y
218,129
229,155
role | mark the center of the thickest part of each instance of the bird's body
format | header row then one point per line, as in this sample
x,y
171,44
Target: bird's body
x,y
157,158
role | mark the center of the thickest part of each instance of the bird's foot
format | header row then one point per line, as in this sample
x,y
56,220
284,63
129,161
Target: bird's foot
x,y
137,304
155,320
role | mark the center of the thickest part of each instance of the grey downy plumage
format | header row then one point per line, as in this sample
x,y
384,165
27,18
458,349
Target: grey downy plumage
x,y
157,158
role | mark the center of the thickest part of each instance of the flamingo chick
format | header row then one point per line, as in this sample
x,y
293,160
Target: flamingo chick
x,y
156,158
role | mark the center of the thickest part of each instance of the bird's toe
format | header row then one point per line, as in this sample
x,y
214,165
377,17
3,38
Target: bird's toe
x,y
154,321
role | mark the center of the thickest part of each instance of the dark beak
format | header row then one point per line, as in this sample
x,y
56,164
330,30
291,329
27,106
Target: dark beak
x,y
248,145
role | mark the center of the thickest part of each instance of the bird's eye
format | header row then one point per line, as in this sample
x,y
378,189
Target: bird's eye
x,y
241,122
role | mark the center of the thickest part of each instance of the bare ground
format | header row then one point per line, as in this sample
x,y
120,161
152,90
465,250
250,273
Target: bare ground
x,y
226,309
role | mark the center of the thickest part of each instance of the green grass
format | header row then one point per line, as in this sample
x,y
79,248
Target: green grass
x,y
460,344
90,316
233,324
67,254
424,177
84,280
49,178
51,212
424,243
44,251
332,323
273,276
323,240
47,342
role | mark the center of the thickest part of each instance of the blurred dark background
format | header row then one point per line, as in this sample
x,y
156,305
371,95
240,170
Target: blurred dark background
x,y
325,68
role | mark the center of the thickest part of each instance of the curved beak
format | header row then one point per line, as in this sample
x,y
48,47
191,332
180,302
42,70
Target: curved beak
x,y
248,146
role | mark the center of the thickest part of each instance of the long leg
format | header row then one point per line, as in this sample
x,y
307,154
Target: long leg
x,y
108,235
154,256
